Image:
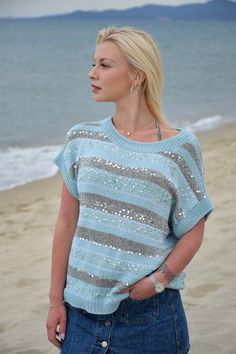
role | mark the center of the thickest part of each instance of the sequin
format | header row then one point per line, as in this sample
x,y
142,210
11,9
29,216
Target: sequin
x,y
131,203
192,150
82,133
117,242
91,278
137,213
186,171
103,168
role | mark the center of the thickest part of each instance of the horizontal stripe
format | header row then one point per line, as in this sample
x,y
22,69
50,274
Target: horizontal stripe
x,y
106,222
92,279
84,133
120,243
124,209
81,255
138,173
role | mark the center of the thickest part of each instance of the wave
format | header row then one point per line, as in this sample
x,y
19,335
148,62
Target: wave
x,y
22,165
208,123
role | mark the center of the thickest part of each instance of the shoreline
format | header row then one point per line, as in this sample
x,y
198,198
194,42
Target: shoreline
x,y
27,218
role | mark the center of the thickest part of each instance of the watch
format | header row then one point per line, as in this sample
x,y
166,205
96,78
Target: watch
x,y
159,287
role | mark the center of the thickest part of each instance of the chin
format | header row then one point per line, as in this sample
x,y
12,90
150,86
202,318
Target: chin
x,y
102,99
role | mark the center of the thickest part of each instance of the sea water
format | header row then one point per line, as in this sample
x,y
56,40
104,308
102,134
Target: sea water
x,y
44,86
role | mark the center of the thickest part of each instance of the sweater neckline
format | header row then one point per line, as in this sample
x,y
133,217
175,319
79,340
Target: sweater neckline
x,y
140,146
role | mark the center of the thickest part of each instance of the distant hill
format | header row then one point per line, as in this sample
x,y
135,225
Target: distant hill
x,y
212,10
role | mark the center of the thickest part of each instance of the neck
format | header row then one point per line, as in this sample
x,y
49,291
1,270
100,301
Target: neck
x,y
132,116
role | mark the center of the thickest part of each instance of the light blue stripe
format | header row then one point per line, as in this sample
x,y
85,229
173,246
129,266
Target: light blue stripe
x,y
149,200
89,220
97,257
112,253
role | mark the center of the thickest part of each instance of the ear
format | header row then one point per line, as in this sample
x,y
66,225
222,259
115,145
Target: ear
x,y
141,76
137,77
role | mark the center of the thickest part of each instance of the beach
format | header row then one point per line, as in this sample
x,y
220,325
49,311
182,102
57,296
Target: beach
x,y
27,218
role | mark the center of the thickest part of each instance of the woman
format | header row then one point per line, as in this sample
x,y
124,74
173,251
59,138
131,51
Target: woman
x,y
132,213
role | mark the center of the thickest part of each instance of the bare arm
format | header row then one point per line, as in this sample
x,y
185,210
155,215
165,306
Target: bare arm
x,y
64,231
63,235
175,263
182,254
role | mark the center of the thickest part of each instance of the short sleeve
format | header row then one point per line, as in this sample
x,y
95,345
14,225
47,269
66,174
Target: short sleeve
x,y
67,161
192,201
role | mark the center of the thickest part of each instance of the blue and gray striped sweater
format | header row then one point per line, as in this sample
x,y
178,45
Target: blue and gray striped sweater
x,y
136,200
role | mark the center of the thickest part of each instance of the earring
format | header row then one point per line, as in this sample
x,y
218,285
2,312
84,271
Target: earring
x,y
134,89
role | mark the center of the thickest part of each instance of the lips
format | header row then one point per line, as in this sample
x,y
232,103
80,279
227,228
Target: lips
x,y
94,87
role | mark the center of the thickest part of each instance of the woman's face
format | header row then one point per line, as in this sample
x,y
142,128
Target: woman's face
x,y
111,74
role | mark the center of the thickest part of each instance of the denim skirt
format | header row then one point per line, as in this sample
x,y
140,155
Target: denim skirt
x,y
156,325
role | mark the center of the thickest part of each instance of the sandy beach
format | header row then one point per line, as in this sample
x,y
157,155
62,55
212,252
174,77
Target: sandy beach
x,y
27,218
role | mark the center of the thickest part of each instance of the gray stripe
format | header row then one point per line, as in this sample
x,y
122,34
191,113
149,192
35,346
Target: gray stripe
x,y
95,124
91,279
186,171
193,152
124,209
83,133
147,174
122,244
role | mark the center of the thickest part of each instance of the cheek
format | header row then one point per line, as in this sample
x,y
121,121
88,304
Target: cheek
x,y
121,82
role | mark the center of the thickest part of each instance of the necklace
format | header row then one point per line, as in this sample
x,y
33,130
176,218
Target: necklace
x,y
128,132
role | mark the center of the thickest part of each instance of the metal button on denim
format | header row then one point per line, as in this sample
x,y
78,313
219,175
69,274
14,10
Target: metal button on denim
x,y
107,323
104,344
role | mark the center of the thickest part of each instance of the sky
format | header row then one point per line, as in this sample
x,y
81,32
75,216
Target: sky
x,y
28,8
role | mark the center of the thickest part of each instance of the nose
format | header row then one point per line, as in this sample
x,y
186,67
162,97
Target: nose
x,y
93,75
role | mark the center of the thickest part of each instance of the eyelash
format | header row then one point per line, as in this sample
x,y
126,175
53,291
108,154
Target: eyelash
x,y
103,65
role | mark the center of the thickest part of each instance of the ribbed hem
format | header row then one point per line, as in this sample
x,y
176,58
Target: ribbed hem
x,y
98,307
114,135
202,208
109,304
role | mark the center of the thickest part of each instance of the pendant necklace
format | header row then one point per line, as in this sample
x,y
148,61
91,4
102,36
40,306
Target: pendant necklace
x,y
128,132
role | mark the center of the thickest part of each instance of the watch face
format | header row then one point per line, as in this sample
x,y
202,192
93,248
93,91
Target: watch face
x,y
159,287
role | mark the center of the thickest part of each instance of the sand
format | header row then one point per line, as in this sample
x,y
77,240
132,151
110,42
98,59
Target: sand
x,y
27,218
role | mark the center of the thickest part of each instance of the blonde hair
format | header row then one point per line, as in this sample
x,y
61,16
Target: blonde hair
x,y
142,53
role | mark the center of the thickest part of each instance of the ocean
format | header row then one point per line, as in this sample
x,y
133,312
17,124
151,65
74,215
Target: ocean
x,y
44,87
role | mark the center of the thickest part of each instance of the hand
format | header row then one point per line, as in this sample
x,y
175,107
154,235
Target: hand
x,y
56,317
141,290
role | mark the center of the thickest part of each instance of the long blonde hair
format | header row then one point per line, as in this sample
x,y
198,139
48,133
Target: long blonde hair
x,y
142,53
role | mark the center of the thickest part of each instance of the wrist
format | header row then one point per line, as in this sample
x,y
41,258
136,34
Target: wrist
x,y
160,278
52,305
157,284
165,273
56,299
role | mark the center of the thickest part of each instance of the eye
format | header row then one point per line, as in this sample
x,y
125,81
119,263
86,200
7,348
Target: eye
x,y
93,65
105,65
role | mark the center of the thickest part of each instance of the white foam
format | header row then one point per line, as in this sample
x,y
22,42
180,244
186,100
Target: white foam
x,y
22,165
207,123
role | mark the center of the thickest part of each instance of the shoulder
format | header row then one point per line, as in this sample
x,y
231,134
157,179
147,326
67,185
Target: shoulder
x,y
170,132
183,137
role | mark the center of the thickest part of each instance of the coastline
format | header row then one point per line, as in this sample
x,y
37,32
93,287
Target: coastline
x,y
27,217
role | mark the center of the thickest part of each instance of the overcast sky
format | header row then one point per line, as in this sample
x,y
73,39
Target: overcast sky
x,y
44,7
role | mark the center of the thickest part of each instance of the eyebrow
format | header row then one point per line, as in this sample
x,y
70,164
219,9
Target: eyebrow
x,y
105,59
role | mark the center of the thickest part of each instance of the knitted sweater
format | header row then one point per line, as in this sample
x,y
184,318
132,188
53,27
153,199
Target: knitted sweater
x,y
136,200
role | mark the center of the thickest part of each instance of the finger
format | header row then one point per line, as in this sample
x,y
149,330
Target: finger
x,y
125,290
63,328
51,331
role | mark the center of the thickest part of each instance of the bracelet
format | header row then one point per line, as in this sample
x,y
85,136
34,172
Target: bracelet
x,y
51,306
